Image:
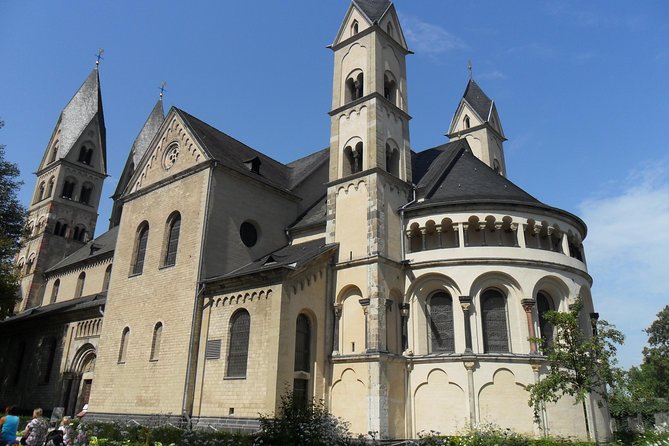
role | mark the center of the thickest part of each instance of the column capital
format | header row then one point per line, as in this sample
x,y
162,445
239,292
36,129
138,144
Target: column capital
x,y
337,309
469,365
404,309
528,304
465,302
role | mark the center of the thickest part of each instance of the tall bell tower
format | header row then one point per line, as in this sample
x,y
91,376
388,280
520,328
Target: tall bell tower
x,y
370,177
64,207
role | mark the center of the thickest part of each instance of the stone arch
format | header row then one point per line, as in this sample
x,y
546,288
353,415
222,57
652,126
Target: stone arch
x,y
496,397
354,85
555,287
392,157
352,321
439,404
349,400
83,359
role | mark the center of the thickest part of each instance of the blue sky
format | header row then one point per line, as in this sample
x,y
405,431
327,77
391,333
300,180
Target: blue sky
x,y
582,89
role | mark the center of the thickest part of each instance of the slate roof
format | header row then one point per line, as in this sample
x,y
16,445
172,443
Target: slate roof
x,y
81,303
313,216
79,112
300,169
291,257
451,174
98,248
141,144
373,9
479,101
235,154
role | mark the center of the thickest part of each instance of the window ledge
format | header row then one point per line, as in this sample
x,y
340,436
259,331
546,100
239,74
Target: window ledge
x,y
166,266
234,377
134,274
153,360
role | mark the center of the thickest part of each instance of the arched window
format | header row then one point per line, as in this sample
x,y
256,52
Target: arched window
x,y
354,28
496,167
60,229
354,86
140,248
54,291
238,351
105,281
68,188
544,305
302,359
54,152
86,192
42,189
392,160
85,155
172,242
389,29
80,285
389,88
493,319
123,349
467,122
155,343
353,159
79,234
49,189
442,338
30,263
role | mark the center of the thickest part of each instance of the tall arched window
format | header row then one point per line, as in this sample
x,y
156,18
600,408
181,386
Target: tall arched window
x,y
302,359
54,291
354,86
354,28
544,305
41,191
49,189
123,349
140,248
467,122
172,242
441,323
54,152
86,192
107,278
353,159
68,188
80,285
493,319
392,160
155,343
85,155
390,88
238,351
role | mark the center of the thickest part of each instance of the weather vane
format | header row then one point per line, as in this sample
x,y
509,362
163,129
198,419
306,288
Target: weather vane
x,y
99,57
162,89
469,67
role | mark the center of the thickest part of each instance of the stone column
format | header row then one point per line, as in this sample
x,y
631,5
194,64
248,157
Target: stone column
x,y
528,304
404,313
470,365
335,335
514,230
536,367
456,234
408,246
537,235
482,228
549,237
498,230
465,233
439,230
365,309
465,303
422,239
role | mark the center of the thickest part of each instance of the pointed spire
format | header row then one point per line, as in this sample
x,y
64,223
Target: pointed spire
x,y
149,130
479,101
373,9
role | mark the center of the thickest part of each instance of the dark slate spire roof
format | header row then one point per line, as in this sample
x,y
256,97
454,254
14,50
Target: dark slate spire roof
x,y
455,175
84,106
373,9
481,103
141,144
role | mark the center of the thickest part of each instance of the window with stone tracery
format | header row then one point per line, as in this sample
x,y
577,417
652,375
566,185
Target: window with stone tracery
x,y
442,338
238,351
493,321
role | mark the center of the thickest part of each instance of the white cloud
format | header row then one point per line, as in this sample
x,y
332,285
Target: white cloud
x,y
627,250
427,38
491,75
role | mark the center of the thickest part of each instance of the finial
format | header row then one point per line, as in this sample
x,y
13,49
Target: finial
x,y
99,57
162,89
469,67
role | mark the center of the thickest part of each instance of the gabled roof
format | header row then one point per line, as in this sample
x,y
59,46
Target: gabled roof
x,y
314,215
301,168
68,306
234,154
84,106
455,175
479,101
141,144
290,257
95,249
373,9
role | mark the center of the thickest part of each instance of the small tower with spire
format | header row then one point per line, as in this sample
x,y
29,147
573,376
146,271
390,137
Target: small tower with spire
x,y
476,120
64,209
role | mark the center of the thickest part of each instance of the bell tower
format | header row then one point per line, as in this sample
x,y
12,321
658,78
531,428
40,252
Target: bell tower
x,y
370,179
64,208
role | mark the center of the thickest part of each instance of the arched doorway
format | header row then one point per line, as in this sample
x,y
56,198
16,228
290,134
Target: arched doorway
x,y
78,380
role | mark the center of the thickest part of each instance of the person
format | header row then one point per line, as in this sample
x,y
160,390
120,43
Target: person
x,y
36,430
65,429
10,424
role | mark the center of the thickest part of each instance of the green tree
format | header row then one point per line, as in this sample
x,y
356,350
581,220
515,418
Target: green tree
x,y
579,363
12,223
656,355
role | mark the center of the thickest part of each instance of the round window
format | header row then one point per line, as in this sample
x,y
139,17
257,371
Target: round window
x,y
171,156
248,234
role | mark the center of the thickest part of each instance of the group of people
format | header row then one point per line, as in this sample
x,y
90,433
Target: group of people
x,y
36,432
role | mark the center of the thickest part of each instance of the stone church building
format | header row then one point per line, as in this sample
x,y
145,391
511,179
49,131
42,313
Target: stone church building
x,y
398,285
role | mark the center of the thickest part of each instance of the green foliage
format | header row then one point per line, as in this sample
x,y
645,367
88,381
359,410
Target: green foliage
x,y
302,424
491,435
12,223
578,364
656,355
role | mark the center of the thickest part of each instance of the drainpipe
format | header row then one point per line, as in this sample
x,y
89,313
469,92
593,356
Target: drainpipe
x,y
413,200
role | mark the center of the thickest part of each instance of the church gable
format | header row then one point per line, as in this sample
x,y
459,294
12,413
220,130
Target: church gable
x,y
465,118
174,150
355,22
391,25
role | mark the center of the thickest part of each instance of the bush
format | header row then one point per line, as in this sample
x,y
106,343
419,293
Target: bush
x,y
302,425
